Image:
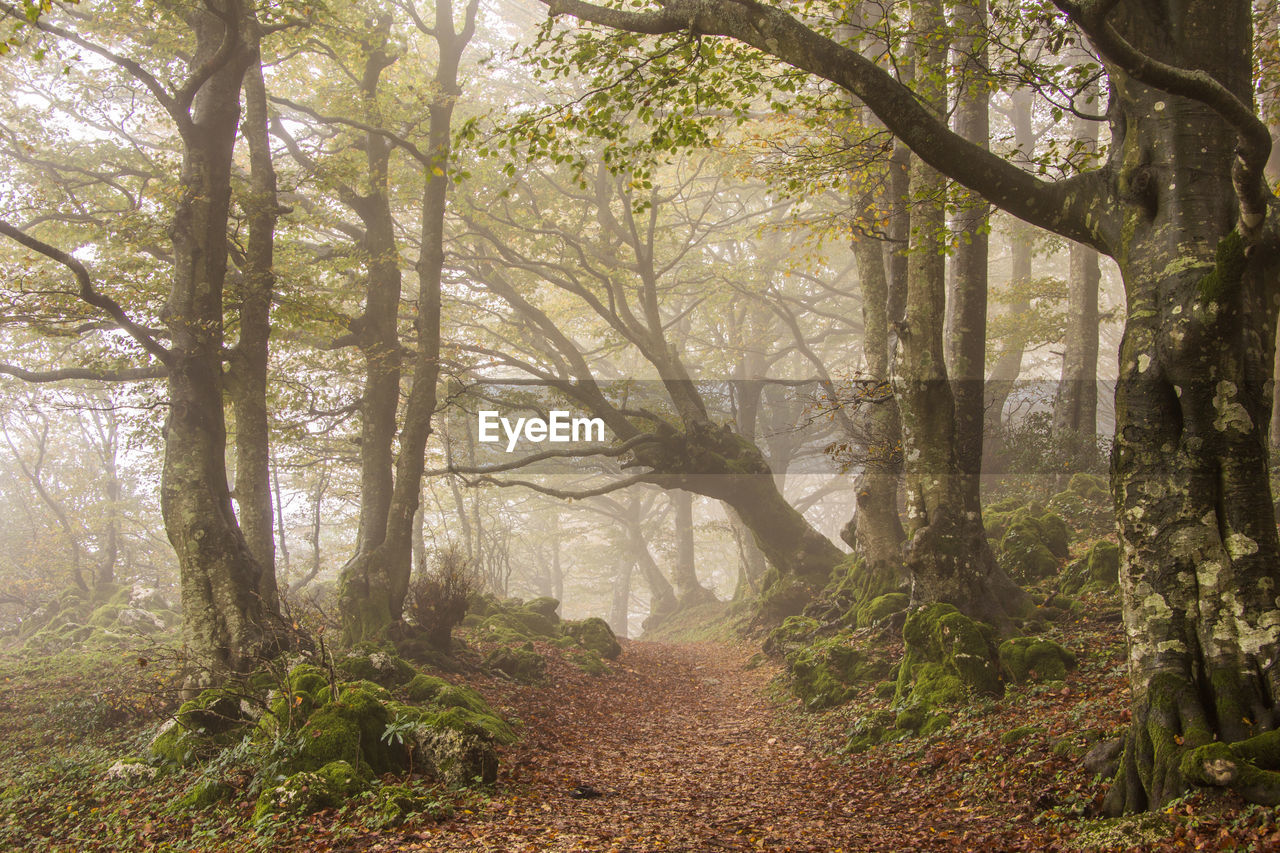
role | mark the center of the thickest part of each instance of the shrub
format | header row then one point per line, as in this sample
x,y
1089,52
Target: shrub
x,y
437,600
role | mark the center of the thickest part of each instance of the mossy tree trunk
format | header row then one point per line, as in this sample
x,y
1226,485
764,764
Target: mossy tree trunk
x,y
228,623
373,584
946,554
1201,562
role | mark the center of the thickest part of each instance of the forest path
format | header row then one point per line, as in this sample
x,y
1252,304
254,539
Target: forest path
x,y
690,753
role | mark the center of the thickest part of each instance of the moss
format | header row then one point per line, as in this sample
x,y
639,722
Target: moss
x,y
1097,570
827,672
1034,659
880,608
523,663
936,724
910,719
1019,734
376,663
545,606
782,596
423,688
177,746
309,791
589,662
1033,543
1228,271
793,634
455,696
204,793
394,803
595,634
486,726
948,656
105,616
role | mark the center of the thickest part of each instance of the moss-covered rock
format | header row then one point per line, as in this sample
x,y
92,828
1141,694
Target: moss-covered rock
x,y
308,791
1019,734
792,635
1034,659
1097,570
379,664
880,608
828,672
457,756
423,688
523,663
595,634
589,662
545,606
948,655
204,793
1033,543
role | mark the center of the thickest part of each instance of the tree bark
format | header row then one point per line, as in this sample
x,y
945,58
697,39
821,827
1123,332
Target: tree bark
x,y
947,554
689,591
247,373
967,315
228,623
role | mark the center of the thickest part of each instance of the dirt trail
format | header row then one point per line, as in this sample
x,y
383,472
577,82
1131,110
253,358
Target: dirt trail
x,y
689,754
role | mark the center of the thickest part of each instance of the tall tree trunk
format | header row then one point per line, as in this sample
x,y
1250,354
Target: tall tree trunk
x,y
662,598
374,584
227,622
1075,408
247,374
1201,561
967,318
1008,365
620,604
689,591
947,553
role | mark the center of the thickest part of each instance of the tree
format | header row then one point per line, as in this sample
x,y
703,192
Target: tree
x,y
1182,206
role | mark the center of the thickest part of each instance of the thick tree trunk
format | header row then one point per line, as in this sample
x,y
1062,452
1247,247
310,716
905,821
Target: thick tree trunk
x,y
1201,561
227,623
947,553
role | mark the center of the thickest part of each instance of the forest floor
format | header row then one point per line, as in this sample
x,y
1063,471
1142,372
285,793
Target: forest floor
x,y
689,748
688,752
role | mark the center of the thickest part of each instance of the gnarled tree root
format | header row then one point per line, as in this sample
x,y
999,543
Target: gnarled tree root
x,y
1248,767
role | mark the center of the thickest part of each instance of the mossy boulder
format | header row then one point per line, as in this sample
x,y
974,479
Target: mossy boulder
x,y
828,672
518,623
545,606
1033,543
204,793
379,664
423,688
1019,734
595,634
394,803
948,656
1097,570
457,756
523,663
1034,659
202,727
880,608
309,791
589,662
781,596
793,634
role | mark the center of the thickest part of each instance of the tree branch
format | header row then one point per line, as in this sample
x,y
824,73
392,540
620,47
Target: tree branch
x,y
1058,206
128,374
87,291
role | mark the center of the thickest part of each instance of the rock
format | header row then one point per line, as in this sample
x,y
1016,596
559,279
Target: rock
x,y
523,663
1034,659
948,655
1098,570
595,634
457,757
309,791
545,606
134,771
